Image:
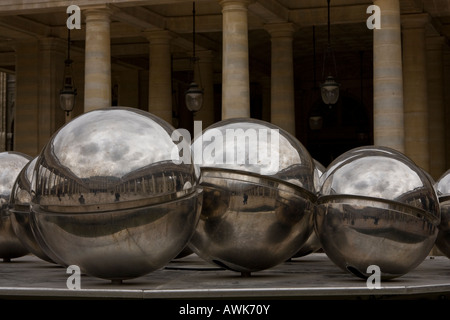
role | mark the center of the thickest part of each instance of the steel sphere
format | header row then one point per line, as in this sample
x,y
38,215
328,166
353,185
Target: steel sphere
x,y
19,204
313,243
319,169
11,163
376,208
257,212
442,187
111,196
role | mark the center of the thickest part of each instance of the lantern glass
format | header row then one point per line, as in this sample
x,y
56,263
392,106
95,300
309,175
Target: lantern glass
x,y
67,99
330,91
68,93
194,97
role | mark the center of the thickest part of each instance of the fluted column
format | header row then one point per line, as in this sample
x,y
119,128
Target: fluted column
x,y
436,111
282,108
415,89
388,119
97,84
235,73
204,76
160,74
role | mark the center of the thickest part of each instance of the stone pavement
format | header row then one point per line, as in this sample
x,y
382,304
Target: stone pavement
x,y
309,277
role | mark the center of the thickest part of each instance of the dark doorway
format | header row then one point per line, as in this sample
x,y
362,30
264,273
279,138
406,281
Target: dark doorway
x,y
338,128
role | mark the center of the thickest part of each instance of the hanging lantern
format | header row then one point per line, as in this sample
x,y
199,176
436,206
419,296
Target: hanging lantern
x,y
68,93
194,95
330,91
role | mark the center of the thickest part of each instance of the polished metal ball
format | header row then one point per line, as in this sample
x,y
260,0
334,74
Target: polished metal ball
x,y
259,195
442,187
313,243
319,169
377,208
19,206
11,163
111,195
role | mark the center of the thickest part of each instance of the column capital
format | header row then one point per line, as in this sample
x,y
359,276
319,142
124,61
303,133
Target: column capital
x,y
158,36
414,21
235,5
284,29
388,5
52,44
102,13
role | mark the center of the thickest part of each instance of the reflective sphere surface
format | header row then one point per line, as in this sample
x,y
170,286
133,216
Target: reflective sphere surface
x,y
11,163
377,208
313,243
109,196
259,195
442,187
20,202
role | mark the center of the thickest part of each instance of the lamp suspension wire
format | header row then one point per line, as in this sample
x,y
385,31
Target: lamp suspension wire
x,y
194,58
314,56
329,41
329,54
68,44
193,31
329,37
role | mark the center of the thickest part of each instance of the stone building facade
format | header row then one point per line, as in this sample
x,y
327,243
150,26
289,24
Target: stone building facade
x,y
256,58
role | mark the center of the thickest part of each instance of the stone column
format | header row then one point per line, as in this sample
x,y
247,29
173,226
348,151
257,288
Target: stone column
x,y
97,84
436,111
160,76
10,110
204,76
3,108
446,67
26,138
388,119
52,56
282,107
235,73
39,74
415,89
